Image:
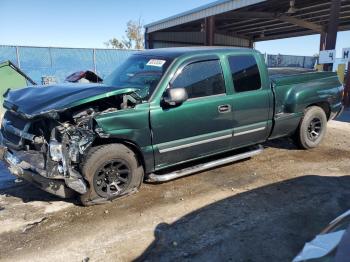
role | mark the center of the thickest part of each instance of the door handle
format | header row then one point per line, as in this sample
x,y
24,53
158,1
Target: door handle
x,y
224,109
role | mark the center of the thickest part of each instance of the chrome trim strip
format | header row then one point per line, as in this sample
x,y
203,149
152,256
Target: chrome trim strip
x,y
282,115
249,131
207,97
194,144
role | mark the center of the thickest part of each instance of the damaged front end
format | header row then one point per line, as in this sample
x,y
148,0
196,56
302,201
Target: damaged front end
x,y
49,149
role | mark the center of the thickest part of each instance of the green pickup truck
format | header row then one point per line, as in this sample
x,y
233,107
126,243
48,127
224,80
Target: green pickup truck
x,y
161,115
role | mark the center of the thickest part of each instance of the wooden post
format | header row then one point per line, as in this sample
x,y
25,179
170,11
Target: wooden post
x,y
332,29
328,40
210,31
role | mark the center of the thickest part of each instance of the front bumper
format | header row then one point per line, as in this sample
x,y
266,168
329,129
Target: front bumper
x,y
26,171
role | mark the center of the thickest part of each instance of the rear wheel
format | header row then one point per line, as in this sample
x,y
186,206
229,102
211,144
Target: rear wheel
x,y
112,171
312,128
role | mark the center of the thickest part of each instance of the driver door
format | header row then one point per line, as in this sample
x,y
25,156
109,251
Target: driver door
x,y
200,126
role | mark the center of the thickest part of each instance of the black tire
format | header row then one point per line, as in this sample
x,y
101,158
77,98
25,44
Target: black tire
x,y
111,171
312,128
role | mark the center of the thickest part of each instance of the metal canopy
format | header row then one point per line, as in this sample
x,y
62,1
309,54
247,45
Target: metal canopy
x,y
214,8
256,20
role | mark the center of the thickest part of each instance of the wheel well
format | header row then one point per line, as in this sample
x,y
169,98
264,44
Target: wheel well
x,y
129,144
325,106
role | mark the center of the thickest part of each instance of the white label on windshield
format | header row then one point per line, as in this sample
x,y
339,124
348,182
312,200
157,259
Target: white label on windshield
x,y
156,62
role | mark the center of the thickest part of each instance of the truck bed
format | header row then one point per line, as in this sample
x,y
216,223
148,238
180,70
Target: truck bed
x,y
295,89
276,72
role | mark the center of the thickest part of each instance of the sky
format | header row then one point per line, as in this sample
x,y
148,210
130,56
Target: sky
x,y
90,23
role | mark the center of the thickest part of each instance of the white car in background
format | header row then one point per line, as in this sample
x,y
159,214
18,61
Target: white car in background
x,y
332,244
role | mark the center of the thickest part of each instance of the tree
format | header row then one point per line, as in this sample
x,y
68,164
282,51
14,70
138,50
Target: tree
x,y
134,37
115,43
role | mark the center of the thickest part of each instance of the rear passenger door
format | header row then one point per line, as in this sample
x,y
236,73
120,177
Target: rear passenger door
x,y
251,100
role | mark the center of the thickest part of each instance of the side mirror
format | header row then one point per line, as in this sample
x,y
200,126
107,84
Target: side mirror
x,y
175,96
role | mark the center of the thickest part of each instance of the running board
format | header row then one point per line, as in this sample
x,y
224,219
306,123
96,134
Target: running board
x,y
155,178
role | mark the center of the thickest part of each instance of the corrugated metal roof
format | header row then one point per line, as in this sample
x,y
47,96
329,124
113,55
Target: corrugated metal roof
x,y
214,8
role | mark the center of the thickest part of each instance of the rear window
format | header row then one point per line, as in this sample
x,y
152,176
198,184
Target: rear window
x,y
245,73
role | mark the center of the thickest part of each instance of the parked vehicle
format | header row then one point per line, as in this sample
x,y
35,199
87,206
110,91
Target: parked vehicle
x,y
163,114
84,77
332,244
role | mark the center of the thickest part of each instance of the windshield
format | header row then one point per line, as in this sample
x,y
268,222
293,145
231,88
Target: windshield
x,y
143,72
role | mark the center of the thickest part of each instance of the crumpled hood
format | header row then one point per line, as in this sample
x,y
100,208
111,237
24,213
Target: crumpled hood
x,y
34,101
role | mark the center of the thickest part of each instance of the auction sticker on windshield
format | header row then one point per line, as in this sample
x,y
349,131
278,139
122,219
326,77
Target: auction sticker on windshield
x,y
156,62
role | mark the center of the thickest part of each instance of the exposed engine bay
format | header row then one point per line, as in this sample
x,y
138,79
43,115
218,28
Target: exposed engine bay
x,y
54,144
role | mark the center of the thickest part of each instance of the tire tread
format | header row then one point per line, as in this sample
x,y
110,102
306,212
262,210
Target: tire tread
x,y
92,159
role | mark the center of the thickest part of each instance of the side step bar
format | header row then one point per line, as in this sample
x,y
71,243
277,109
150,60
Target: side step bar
x,y
156,178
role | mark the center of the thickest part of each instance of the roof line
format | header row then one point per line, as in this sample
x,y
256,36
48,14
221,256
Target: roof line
x,y
194,10
210,9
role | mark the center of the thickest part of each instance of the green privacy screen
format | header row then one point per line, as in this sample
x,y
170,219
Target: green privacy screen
x,y
9,78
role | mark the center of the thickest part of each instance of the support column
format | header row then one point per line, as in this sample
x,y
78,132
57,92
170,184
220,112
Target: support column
x,y
148,41
210,31
329,39
332,29
94,60
347,88
323,37
17,58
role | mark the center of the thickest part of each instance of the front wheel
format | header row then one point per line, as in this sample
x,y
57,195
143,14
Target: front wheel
x,y
312,128
112,171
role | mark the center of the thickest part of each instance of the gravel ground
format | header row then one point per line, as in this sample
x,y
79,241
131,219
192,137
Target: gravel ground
x,y
262,209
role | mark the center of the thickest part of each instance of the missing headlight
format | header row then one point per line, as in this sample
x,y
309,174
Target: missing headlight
x,y
56,151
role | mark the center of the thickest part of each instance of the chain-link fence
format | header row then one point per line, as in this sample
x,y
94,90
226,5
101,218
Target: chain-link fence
x,y
290,61
38,62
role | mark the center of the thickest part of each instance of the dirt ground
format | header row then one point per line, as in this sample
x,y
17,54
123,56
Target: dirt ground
x,y
262,209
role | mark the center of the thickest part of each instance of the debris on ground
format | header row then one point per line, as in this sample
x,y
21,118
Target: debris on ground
x,y
33,224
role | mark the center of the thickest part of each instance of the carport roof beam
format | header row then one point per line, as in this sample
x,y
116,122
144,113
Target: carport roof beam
x,y
212,9
254,20
282,17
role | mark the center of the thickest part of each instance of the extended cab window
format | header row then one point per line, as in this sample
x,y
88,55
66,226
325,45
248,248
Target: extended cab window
x,y
201,79
245,73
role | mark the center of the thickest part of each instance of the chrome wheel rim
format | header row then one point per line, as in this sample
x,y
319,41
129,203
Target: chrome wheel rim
x,y
314,129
